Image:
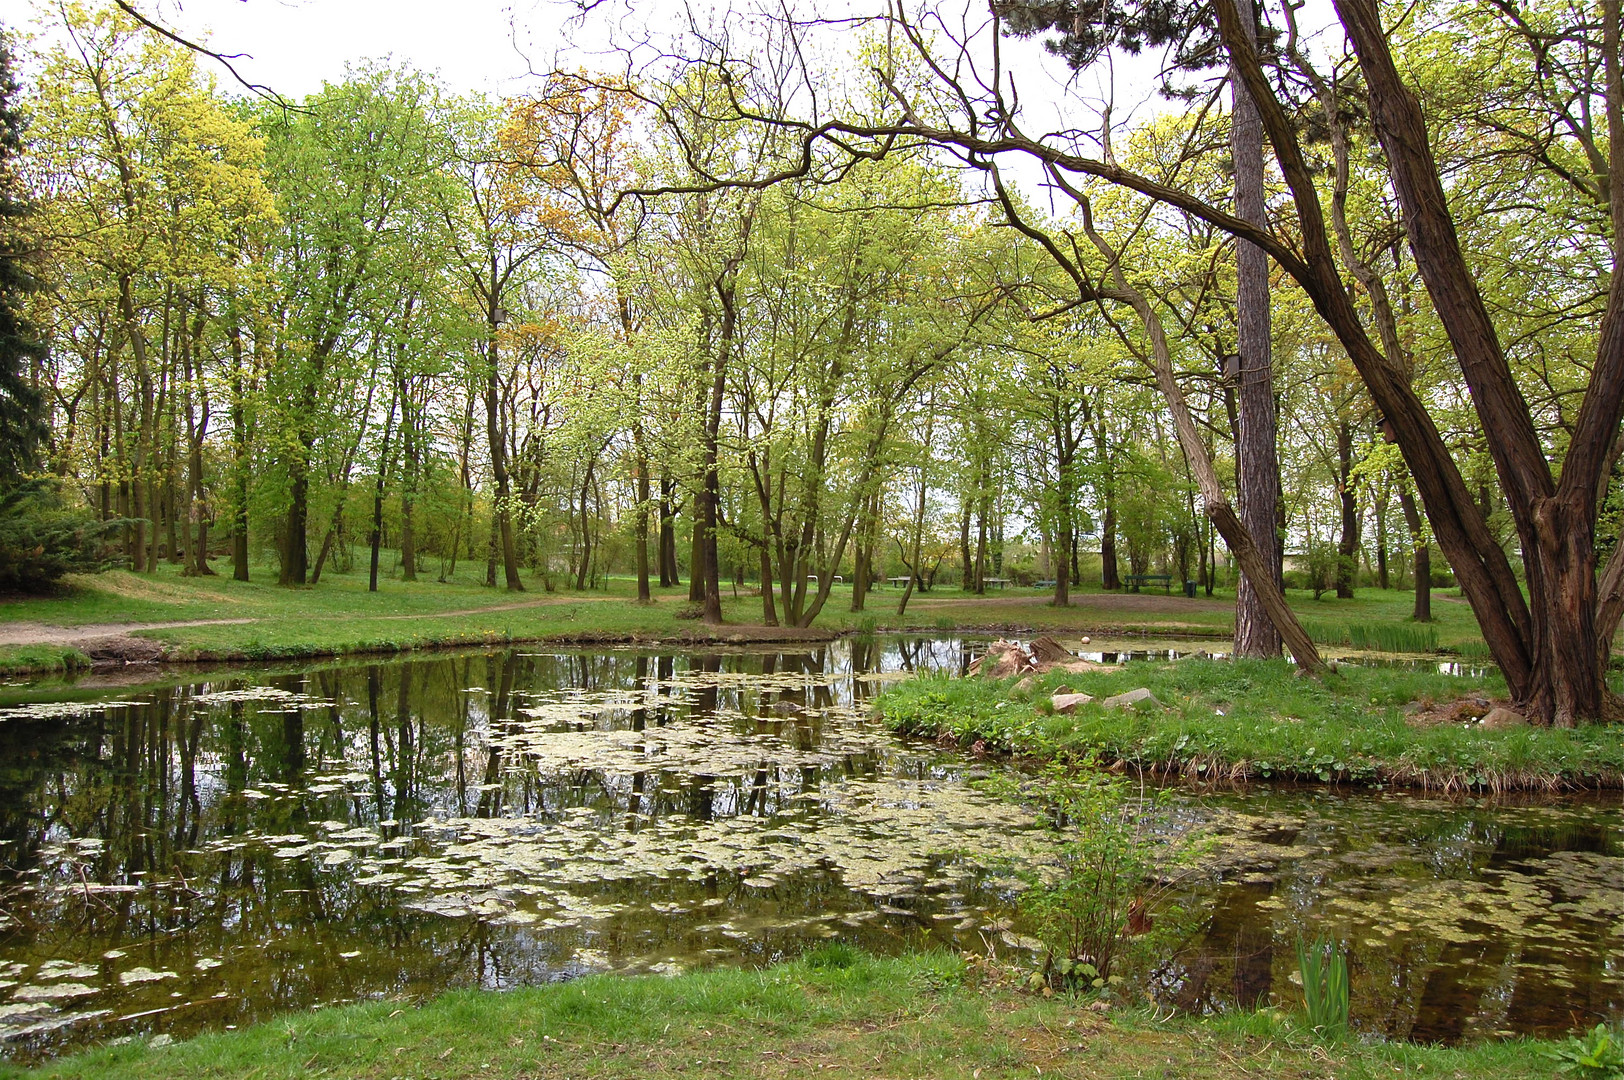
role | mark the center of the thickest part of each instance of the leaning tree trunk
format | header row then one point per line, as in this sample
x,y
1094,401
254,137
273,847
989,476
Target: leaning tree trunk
x,y
1215,503
1257,458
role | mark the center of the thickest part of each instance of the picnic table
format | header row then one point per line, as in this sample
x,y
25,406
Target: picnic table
x,y
1136,580
1000,582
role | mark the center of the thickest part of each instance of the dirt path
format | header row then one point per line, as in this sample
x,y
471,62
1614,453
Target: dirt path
x,y
546,601
32,633
1133,603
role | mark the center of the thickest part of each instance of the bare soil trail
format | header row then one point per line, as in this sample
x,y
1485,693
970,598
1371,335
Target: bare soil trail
x,y
34,633
1137,603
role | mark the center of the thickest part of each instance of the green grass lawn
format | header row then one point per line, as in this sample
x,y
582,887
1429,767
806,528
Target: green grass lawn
x,y
1254,719
834,1013
340,616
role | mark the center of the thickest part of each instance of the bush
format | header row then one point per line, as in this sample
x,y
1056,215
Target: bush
x,y
41,538
1105,908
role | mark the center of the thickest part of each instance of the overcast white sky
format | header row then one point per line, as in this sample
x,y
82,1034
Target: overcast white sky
x,y
292,46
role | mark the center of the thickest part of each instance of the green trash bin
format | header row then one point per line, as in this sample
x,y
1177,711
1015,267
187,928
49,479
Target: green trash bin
x,y
1189,589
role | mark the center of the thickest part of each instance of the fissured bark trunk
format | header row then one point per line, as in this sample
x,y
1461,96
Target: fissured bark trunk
x,y
1257,459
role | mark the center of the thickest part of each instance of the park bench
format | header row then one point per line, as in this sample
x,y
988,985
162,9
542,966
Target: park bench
x,y
1133,581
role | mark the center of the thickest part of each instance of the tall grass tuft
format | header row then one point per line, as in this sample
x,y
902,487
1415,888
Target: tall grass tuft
x,y
1324,970
1394,637
1404,637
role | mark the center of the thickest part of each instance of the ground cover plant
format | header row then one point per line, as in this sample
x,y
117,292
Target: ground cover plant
x,y
836,1012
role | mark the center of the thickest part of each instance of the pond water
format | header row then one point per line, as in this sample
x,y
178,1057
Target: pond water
x,y
207,852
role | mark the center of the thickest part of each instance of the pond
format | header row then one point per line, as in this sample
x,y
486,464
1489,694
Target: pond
x,y
212,850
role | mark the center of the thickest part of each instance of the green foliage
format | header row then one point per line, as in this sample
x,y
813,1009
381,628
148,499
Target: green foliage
x,y
41,538
1102,909
1598,1055
1324,971
1323,560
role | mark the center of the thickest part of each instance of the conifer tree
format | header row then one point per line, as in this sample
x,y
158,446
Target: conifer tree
x,y
21,416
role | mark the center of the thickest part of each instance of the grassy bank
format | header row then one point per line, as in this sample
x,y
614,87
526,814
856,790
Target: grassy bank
x,y
834,1013
217,618
1252,719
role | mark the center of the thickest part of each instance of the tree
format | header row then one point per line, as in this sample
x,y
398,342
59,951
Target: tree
x,y
22,419
352,171
1084,35
1546,642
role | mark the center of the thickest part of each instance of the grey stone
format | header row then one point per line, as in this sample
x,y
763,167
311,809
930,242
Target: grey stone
x,y
1501,718
1133,699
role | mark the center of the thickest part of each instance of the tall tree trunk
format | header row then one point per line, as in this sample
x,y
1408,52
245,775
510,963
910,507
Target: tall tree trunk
x,y
499,471
645,595
1062,557
586,527
696,550
375,540
639,458
983,512
239,459
967,574
1349,544
1110,579
1255,452
710,517
408,484
1422,553
667,550
1382,506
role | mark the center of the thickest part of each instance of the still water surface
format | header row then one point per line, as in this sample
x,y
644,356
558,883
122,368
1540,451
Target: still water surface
x,y
204,854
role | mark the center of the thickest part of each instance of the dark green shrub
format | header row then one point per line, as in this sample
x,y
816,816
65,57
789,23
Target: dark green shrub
x,y
42,538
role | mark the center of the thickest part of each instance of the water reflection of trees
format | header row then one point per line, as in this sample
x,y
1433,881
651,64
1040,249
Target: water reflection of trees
x,y
1457,980
193,797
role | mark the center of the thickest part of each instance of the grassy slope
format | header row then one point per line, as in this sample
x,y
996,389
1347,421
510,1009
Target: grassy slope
x,y
1253,718
913,1016
340,615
